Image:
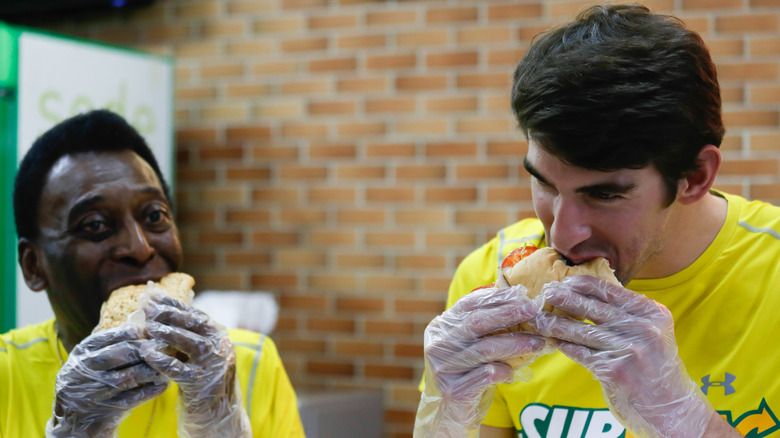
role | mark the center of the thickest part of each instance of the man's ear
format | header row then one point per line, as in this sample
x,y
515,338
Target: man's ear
x,y
30,262
695,184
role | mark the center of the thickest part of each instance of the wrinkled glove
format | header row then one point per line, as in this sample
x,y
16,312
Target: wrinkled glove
x,y
197,354
631,351
463,366
103,379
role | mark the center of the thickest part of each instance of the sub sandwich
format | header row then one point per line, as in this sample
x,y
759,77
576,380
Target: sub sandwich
x,y
533,268
124,301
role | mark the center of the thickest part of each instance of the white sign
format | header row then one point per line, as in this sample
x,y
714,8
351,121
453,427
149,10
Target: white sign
x,y
59,78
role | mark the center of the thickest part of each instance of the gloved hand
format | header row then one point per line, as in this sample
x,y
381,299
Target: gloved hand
x,y
632,352
103,379
197,354
462,365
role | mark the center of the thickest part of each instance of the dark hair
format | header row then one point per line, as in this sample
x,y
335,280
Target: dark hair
x,y
620,87
94,131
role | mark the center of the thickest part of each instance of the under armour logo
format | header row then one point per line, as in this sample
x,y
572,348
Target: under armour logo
x,y
726,384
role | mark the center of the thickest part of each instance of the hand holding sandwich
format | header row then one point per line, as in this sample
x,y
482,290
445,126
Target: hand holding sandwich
x,y
463,364
631,350
198,355
103,379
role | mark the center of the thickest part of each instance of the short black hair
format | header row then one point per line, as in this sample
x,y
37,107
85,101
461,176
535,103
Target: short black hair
x,y
620,87
93,131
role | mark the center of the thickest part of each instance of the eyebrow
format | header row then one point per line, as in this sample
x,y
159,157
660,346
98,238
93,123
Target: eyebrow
x,y
608,187
85,204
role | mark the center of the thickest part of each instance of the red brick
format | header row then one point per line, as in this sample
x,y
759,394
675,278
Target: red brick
x,y
451,15
432,37
339,325
330,368
332,107
275,238
385,18
250,216
388,371
419,83
391,150
278,280
247,258
483,80
362,84
514,11
461,149
422,217
333,21
333,64
492,34
451,104
421,172
390,239
391,104
452,59
390,194
307,302
332,237
276,194
331,194
332,151
361,260
358,172
392,61
426,262
362,41
305,44
360,304
355,348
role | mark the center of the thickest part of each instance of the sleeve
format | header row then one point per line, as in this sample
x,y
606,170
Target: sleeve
x,y
269,397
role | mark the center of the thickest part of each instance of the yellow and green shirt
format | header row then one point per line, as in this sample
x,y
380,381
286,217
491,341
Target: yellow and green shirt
x,y
725,307
29,362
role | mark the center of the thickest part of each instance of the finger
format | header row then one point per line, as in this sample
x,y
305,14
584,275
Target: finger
x,y
166,365
490,297
496,348
170,311
578,353
472,384
562,296
574,331
624,299
136,396
113,357
124,332
460,324
188,342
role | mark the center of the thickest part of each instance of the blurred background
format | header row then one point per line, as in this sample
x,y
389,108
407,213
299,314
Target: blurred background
x,y
345,155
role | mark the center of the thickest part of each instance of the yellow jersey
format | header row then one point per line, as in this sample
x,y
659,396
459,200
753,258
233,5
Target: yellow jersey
x,y
29,362
724,306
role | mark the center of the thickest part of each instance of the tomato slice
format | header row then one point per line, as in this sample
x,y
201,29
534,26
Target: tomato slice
x,y
483,287
515,256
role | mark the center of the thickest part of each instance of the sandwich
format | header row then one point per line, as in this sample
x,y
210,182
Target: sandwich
x,y
125,300
533,268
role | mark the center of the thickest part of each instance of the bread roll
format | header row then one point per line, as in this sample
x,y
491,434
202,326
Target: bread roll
x,y
544,266
124,301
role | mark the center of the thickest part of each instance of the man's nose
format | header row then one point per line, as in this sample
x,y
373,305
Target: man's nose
x,y
133,243
570,225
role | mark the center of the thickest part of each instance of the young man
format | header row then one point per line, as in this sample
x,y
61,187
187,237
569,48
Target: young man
x,y
622,113
93,214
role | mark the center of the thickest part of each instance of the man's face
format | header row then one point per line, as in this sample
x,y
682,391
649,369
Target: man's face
x,y
105,223
620,215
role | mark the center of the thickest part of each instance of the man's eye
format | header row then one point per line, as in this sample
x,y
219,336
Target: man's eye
x,y
95,227
604,196
157,216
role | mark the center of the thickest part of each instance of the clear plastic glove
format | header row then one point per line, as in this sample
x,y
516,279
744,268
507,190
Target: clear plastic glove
x,y
463,365
102,380
631,350
197,354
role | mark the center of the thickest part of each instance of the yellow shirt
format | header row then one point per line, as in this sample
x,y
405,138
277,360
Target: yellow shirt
x,y
29,363
725,306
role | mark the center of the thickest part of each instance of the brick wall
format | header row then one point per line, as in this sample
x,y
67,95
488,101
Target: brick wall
x,y
346,154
